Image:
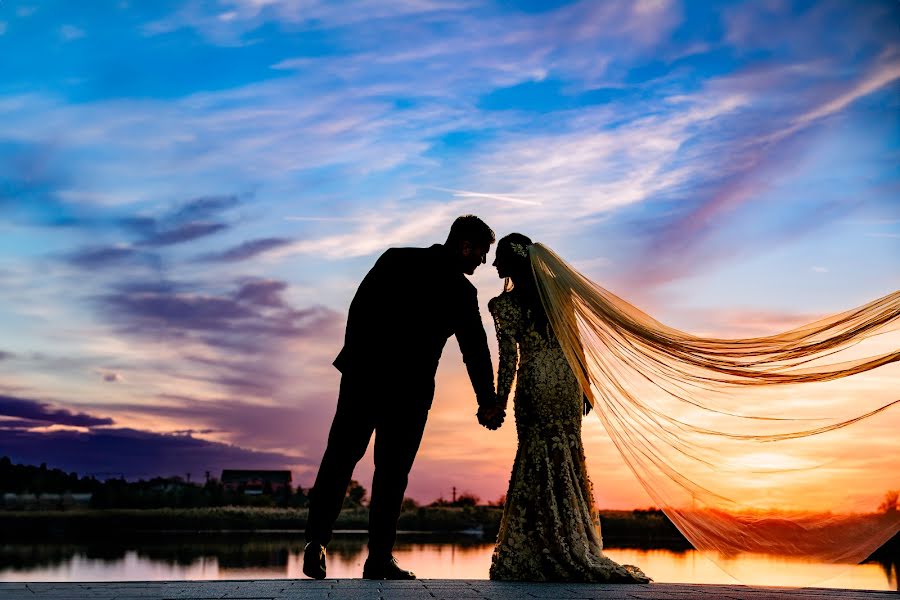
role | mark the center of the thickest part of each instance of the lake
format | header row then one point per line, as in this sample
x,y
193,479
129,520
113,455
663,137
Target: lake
x,y
279,555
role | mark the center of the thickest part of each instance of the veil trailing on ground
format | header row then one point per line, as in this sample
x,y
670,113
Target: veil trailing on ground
x,y
760,445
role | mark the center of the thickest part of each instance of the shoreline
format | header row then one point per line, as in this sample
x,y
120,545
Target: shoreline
x,y
479,521
639,528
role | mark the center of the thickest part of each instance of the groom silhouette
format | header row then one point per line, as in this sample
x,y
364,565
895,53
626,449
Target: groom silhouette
x,y
404,310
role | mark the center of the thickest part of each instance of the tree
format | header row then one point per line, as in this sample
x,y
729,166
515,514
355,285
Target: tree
x,y
409,504
356,495
890,503
466,499
299,499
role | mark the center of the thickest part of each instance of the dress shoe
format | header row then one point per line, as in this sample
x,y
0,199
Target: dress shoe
x,y
385,569
314,560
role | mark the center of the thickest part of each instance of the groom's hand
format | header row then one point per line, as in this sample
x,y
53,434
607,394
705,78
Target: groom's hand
x,y
491,416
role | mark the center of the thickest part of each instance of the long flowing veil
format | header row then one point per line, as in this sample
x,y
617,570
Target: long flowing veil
x,y
761,445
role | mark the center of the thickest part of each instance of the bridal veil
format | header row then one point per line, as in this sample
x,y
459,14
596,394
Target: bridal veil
x,y
780,444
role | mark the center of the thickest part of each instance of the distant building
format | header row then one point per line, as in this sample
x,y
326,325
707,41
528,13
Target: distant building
x,y
255,482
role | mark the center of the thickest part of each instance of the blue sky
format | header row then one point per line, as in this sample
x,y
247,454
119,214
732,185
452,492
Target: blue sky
x,y
190,192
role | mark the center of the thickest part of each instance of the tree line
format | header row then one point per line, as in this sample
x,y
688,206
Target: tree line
x,y
175,492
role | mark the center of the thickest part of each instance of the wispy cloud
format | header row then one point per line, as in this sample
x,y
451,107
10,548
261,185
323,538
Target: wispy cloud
x,y
489,196
243,318
247,250
880,76
100,256
192,220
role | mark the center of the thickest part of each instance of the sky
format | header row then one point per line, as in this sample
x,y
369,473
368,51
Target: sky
x,y
191,191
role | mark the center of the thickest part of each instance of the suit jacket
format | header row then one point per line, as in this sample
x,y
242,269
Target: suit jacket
x,y
404,310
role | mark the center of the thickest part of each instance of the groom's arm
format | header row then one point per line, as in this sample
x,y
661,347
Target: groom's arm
x,y
473,344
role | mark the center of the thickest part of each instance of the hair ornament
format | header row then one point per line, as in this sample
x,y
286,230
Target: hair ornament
x,y
519,249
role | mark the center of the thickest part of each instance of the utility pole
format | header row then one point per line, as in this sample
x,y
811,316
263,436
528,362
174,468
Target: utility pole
x,y
454,494
188,477
207,476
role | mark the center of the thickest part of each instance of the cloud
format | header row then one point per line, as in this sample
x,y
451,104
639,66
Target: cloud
x,y
43,412
262,292
299,427
202,208
183,233
255,310
761,152
161,311
6,355
194,219
239,17
3,27
101,256
9,423
238,339
133,453
381,229
247,250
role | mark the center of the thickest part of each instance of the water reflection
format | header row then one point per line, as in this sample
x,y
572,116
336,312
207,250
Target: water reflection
x,y
269,556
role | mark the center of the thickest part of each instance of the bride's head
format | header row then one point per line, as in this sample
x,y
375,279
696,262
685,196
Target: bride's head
x,y
511,259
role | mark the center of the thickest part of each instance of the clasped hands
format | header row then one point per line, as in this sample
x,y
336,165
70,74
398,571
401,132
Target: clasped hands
x,y
491,415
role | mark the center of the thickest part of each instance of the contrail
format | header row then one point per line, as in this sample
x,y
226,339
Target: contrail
x,y
295,218
501,197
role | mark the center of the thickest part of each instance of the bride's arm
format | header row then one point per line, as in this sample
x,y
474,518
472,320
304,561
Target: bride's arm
x,y
509,355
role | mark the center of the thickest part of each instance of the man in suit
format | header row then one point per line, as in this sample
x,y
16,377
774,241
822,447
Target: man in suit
x,y
403,312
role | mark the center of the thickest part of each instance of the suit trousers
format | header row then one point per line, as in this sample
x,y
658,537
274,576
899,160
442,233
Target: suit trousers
x,y
398,420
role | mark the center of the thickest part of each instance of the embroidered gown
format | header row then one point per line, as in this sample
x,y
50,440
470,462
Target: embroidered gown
x,y
550,530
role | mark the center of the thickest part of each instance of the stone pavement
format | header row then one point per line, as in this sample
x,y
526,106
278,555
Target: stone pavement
x,y
430,589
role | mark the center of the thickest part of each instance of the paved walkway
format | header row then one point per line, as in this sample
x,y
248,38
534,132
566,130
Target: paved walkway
x,y
430,589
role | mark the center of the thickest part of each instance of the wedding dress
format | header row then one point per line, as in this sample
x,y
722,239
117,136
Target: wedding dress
x,y
550,529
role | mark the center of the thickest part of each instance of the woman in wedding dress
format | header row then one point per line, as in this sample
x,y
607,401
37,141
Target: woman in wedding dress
x,y
550,530
727,436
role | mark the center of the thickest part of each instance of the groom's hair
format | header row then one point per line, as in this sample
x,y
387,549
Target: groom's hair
x,y
472,229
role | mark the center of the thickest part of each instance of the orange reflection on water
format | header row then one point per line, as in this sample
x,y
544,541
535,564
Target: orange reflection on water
x,y
427,560
666,566
472,561
262,557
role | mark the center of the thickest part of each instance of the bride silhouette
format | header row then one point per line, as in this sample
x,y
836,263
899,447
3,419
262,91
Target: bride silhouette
x,y
676,407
